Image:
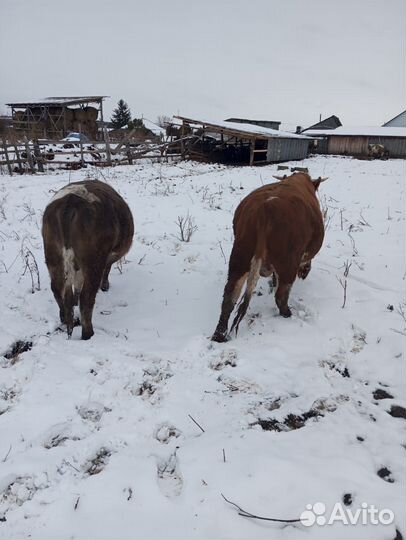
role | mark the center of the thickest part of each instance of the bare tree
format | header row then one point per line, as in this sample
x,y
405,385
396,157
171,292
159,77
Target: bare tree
x,y
163,120
30,265
343,281
186,226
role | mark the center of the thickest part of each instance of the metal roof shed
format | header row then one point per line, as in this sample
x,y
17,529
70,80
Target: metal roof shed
x,y
239,143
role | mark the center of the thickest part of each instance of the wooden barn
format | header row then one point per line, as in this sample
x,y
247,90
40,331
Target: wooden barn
x,y
55,117
239,143
357,141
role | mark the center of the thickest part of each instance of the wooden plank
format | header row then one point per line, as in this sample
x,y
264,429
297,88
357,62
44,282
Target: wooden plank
x,y
29,156
226,130
38,157
8,162
252,149
12,161
107,141
17,153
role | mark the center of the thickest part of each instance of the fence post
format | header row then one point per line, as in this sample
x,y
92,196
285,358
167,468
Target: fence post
x,y
10,170
82,161
38,156
129,154
17,153
107,142
29,156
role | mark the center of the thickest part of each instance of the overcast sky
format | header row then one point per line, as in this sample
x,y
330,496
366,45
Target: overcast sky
x,y
286,60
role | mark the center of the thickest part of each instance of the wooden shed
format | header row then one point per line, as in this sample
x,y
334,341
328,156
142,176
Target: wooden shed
x,y
55,117
239,143
356,141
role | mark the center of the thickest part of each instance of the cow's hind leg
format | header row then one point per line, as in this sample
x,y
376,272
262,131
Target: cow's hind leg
x,y
113,257
57,286
304,269
69,302
105,284
238,270
282,297
231,294
91,283
251,283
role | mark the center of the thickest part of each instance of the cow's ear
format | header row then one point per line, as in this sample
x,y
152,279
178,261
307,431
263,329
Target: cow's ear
x,y
280,177
317,182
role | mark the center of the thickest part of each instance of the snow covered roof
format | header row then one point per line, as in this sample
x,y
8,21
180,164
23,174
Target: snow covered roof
x,y
367,131
244,129
398,121
72,100
152,126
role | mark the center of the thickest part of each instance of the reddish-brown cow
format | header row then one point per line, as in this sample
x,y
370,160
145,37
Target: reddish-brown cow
x,y
278,229
86,227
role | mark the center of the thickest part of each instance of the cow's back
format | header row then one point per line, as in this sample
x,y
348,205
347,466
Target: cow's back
x,y
280,222
90,217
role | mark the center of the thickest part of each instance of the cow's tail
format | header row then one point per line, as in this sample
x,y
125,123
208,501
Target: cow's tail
x,y
68,255
252,279
69,287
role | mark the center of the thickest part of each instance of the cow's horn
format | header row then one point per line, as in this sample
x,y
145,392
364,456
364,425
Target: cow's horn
x,y
280,177
320,179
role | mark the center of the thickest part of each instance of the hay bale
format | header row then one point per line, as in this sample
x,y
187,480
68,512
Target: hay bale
x,y
91,113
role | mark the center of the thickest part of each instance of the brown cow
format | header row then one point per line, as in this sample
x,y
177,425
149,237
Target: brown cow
x,y
278,229
86,227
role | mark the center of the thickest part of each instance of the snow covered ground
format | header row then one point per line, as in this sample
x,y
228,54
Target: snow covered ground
x,y
96,437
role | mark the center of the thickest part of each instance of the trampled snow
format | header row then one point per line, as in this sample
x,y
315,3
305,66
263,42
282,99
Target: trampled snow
x,y
98,438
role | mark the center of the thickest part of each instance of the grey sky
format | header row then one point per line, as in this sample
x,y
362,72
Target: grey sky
x,y
286,60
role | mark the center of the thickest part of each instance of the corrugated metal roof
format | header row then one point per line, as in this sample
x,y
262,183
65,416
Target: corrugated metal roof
x,y
244,129
49,101
398,121
373,131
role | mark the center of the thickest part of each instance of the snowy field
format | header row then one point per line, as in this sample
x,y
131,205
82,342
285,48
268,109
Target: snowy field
x,y
96,437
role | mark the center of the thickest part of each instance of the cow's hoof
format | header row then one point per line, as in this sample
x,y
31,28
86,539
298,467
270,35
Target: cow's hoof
x,y
303,271
105,286
286,313
219,337
87,335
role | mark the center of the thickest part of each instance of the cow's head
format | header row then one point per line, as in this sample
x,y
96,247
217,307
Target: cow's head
x,y
316,182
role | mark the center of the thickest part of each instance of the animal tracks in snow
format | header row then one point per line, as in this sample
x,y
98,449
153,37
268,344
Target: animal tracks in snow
x,y
152,381
8,396
60,434
18,490
170,479
227,357
165,432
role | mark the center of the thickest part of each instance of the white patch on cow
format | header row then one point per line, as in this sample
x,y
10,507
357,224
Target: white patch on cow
x,y
79,191
270,198
238,288
78,281
73,278
253,276
68,258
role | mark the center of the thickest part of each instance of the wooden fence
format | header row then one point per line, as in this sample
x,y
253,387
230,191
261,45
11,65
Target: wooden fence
x,y
25,156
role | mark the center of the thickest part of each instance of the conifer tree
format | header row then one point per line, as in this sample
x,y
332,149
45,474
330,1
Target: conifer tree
x,y
121,115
